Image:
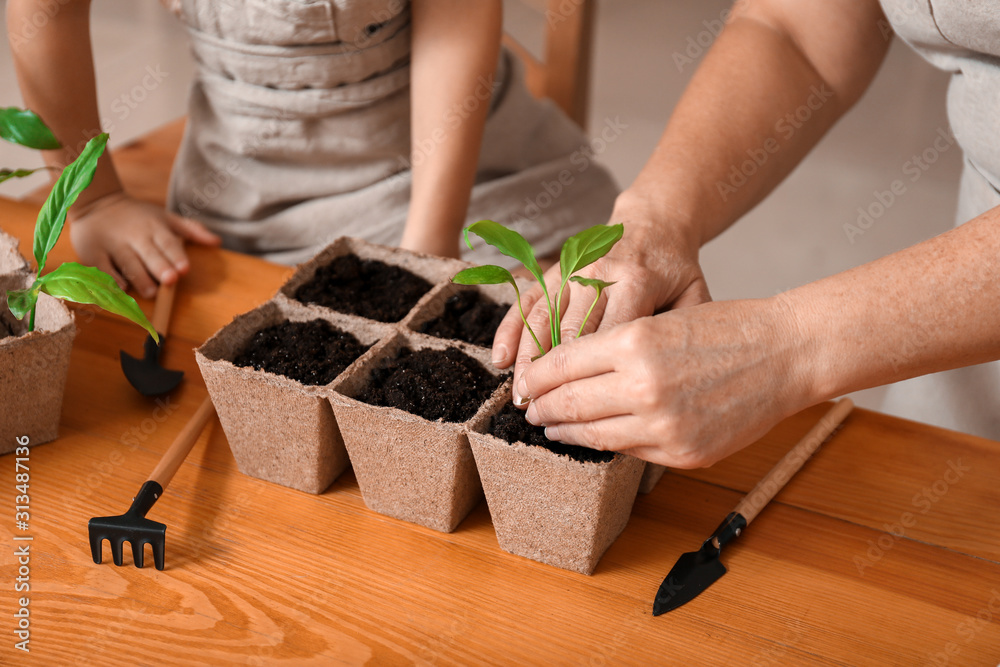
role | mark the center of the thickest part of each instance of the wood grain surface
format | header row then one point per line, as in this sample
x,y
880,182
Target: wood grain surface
x,y
883,550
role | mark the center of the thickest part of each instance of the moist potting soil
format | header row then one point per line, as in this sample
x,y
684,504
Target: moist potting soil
x,y
467,316
510,425
443,385
365,287
313,353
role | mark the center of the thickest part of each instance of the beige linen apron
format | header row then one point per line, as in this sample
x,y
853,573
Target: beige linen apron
x,y
963,38
299,132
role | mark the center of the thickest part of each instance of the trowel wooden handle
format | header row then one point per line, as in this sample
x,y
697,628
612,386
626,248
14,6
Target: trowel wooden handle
x,y
780,474
172,459
162,308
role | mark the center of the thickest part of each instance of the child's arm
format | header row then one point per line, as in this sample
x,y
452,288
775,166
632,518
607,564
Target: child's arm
x,y
133,241
455,48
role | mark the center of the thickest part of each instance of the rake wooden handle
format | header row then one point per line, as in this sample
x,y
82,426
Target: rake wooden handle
x,y
780,474
175,455
162,308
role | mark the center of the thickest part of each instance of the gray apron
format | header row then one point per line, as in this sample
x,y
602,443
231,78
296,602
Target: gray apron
x,y
963,38
299,132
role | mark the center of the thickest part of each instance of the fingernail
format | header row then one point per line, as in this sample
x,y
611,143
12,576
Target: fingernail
x,y
522,390
518,401
499,354
532,415
552,432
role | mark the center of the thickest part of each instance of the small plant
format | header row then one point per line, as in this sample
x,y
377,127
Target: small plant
x,y
579,251
70,281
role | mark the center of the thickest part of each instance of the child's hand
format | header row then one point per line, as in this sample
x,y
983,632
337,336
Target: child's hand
x,y
135,242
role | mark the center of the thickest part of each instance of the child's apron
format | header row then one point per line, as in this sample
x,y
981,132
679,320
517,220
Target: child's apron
x,y
299,132
962,38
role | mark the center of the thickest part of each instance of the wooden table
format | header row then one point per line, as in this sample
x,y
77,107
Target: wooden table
x,y
261,574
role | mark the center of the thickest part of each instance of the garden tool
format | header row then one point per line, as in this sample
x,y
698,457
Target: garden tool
x,y
133,527
697,570
146,374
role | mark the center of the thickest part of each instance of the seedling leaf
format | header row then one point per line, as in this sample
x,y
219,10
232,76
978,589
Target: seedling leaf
x,y
67,188
583,249
488,274
20,302
508,242
25,128
6,174
579,251
512,244
86,284
600,286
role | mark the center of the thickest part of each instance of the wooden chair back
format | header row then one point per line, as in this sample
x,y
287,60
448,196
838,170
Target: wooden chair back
x,y
564,76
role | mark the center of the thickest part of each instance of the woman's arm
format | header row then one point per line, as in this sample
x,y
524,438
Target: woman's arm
x,y
454,55
778,77
134,241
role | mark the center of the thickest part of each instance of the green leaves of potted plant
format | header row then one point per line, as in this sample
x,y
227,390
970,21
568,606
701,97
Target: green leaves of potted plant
x,y
34,359
72,281
579,251
550,502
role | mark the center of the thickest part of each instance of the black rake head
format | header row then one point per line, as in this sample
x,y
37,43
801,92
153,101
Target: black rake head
x,y
131,527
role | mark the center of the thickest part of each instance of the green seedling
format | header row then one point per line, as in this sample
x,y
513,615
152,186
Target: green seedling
x,y
24,128
70,281
578,252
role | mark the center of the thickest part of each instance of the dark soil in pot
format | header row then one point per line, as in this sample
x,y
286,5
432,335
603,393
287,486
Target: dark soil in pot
x,y
510,425
313,353
468,316
445,385
365,287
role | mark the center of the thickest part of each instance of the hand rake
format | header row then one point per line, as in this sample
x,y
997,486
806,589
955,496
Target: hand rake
x,y
133,527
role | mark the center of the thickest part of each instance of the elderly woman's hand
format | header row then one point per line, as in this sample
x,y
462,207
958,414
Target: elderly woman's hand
x,y
683,389
654,267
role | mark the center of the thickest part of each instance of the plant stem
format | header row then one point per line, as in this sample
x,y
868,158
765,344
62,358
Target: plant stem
x,y
587,316
556,333
541,350
31,320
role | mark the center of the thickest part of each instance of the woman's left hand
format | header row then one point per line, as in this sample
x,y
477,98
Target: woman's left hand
x,y
683,389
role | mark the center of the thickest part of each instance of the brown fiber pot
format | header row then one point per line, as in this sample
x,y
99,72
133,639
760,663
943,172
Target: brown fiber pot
x,y
279,430
13,269
408,467
33,369
435,270
651,477
432,306
548,507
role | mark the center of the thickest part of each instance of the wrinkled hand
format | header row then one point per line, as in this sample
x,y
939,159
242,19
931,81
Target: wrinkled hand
x,y
135,242
683,389
653,270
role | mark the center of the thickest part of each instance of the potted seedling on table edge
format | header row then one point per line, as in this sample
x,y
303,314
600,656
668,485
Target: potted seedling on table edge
x,y
34,355
558,504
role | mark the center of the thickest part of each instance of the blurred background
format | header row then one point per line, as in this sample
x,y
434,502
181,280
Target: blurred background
x,y
644,53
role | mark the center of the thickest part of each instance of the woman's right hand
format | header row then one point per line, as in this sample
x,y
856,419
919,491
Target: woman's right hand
x,y
137,243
